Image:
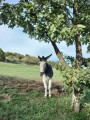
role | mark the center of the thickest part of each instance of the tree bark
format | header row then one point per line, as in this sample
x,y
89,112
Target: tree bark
x,y
26,0
75,100
58,53
79,57
75,94
77,42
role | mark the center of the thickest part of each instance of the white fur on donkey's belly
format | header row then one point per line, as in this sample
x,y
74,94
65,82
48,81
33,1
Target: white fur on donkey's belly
x,y
46,78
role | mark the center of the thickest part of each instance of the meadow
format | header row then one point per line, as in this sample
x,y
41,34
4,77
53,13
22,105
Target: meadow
x,y
21,96
23,71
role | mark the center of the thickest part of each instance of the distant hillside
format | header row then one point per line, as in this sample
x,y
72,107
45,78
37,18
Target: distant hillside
x,y
19,58
31,60
27,59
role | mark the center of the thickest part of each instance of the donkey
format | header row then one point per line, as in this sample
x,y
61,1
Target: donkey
x,y
46,73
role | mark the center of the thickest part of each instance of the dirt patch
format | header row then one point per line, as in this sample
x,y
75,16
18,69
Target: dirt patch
x,y
5,97
27,86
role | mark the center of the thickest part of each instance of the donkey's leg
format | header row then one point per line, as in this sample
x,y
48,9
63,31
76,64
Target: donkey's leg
x,y
49,87
45,86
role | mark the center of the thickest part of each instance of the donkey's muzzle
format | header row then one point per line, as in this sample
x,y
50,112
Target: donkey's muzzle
x,y
41,73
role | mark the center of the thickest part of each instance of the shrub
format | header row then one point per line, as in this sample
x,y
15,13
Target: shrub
x,y
14,57
27,59
2,55
72,77
30,60
76,78
52,63
11,55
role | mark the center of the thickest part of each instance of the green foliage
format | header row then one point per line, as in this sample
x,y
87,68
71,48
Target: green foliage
x,y
71,61
57,66
45,20
2,55
19,58
54,20
52,63
12,55
30,60
77,78
27,59
86,62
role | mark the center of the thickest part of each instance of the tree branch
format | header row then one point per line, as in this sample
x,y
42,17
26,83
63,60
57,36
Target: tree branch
x,y
26,1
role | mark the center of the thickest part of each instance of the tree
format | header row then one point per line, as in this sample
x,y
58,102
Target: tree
x,y
78,79
37,19
80,22
2,55
52,21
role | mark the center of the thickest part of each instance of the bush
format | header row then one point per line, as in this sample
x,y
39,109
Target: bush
x,y
11,55
52,63
27,59
77,78
30,60
2,55
14,57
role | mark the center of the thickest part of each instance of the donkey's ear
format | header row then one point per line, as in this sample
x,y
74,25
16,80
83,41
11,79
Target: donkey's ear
x,y
48,57
39,57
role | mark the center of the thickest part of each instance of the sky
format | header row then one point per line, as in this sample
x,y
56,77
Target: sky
x,y
14,40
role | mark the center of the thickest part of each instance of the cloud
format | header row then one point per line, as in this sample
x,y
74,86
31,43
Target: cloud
x,y
15,40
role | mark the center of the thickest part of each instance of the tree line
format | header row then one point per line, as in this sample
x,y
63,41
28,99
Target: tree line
x,y
19,58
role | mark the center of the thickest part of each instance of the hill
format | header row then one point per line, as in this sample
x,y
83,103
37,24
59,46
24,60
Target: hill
x,y
27,59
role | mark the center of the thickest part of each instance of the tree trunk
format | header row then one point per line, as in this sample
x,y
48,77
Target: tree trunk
x,y
77,42
26,0
78,52
58,53
75,100
75,94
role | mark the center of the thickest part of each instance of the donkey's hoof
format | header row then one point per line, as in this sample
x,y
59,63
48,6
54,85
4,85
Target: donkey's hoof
x,y
45,96
50,96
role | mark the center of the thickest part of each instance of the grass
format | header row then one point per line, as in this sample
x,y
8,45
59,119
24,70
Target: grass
x,y
19,70
23,71
30,105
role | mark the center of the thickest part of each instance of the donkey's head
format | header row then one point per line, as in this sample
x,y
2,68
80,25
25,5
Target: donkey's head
x,y
43,64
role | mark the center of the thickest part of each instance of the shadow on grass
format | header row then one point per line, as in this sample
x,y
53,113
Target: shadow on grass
x,y
12,61
6,77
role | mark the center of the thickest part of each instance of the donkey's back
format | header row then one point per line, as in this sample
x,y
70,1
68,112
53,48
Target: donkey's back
x,y
49,71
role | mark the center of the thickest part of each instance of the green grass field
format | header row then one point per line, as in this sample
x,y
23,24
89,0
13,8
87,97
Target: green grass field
x,y
18,103
23,71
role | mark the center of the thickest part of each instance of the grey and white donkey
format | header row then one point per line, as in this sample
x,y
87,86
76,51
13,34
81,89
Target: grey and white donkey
x,y
47,73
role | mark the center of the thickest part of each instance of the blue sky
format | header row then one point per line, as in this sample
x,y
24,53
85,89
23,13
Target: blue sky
x,y
14,40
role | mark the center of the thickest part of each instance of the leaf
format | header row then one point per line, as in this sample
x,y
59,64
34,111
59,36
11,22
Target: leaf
x,y
81,26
